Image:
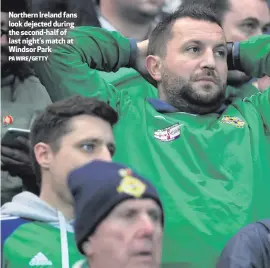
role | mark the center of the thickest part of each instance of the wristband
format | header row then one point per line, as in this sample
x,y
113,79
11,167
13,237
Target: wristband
x,y
233,58
236,56
133,52
230,55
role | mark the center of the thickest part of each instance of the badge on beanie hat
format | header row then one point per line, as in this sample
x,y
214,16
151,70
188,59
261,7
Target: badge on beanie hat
x,y
130,185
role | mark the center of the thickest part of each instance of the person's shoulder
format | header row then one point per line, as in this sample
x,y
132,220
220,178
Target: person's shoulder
x,y
32,81
256,227
11,220
249,246
9,224
253,232
33,88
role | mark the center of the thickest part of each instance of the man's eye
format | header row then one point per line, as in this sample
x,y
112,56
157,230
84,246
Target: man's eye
x,y
221,53
249,27
111,149
266,30
88,147
156,217
193,49
129,214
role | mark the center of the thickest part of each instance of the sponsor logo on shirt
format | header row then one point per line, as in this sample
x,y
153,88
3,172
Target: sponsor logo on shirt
x,y
235,121
40,260
168,134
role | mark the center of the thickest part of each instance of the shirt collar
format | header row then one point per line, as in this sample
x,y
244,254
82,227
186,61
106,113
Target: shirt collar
x,y
161,106
252,80
164,107
105,24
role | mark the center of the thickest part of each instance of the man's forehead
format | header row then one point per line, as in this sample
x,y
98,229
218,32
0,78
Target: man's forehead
x,y
191,29
92,122
138,204
86,128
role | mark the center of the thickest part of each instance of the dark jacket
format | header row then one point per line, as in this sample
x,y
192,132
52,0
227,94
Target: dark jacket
x,y
249,248
22,100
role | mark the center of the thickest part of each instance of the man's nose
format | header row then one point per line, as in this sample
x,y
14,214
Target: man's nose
x,y
208,59
145,226
105,154
256,32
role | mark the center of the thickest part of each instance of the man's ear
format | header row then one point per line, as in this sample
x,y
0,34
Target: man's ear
x,y
87,249
43,154
153,66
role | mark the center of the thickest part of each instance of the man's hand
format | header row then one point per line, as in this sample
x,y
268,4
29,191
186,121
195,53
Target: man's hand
x,y
262,83
142,53
17,162
140,66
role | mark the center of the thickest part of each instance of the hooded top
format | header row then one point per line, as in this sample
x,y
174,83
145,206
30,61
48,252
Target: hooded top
x,y
35,234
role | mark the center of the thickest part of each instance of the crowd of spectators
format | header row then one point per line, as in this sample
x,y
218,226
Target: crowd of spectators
x,y
149,140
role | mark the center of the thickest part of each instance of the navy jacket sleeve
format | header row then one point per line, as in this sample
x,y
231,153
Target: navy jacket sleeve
x,y
250,248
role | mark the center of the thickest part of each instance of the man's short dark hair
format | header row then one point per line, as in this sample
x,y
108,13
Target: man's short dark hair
x,y
163,31
51,125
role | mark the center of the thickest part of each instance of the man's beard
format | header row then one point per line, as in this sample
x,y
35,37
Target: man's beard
x,y
190,98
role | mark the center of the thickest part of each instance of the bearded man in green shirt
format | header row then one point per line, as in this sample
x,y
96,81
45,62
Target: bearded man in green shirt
x,y
208,160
